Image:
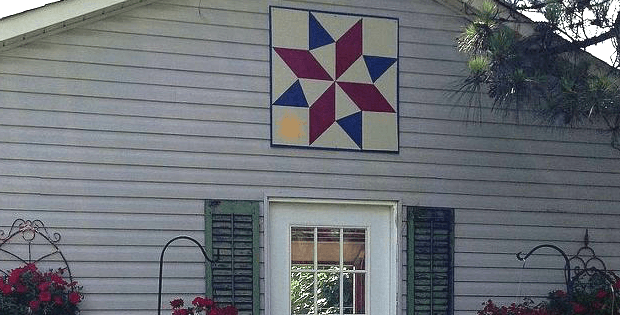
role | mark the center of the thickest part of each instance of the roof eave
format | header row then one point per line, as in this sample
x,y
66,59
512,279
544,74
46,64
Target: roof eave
x,y
25,27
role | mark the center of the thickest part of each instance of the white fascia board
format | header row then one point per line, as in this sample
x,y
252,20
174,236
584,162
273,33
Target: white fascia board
x,y
54,17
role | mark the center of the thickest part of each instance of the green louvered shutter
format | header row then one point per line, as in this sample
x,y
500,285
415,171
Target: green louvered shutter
x,y
231,235
429,261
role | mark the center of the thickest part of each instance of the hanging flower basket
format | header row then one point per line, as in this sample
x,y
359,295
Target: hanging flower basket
x,y
27,290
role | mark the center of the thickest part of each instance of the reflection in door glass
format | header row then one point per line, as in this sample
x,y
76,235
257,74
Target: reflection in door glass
x,y
328,270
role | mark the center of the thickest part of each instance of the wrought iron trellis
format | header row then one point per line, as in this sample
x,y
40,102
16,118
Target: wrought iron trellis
x,y
28,230
161,263
584,265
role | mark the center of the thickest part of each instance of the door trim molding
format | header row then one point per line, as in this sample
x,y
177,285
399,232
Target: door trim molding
x,y
395,247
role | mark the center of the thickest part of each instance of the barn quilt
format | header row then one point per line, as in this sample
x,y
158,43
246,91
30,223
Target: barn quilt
x,y
334,80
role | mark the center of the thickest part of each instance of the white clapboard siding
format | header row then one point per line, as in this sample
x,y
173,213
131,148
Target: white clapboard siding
x,y
114,133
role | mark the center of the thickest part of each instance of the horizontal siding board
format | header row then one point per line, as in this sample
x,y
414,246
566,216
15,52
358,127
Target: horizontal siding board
x,y
540,233
174,29
154,149
111,73
605,246
151,43
134,58
133,91
62,204
128,108
110,220
194,169
154,182
536,218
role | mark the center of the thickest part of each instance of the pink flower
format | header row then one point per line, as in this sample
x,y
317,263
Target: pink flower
x,y
14,276
181,311
57,299
230,310
578,308
203,302
20,288
74,298
601,294
6,289
43,286
45,296
34,305
176,303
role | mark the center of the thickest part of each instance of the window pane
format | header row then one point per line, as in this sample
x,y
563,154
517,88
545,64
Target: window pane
x,y
328,293
354,248
328,248
354,293
302,246
302,293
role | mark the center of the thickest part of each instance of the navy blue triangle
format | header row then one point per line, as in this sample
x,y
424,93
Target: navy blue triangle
x,y
294,96
378,65
352,125
318,35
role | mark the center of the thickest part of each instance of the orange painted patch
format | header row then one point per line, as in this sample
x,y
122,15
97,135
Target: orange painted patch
x,y
290,127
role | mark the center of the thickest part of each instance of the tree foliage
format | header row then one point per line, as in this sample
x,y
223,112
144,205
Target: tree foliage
x,y
541,67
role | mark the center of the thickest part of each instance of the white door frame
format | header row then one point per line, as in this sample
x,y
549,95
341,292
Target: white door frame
x,y
394,244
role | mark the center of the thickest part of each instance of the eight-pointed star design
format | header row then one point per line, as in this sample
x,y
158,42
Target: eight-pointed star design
x,y
335,80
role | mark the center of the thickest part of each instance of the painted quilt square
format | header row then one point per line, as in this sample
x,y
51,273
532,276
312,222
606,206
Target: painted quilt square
x,y
334,80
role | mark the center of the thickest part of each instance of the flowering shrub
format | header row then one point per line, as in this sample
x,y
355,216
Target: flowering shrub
x,y
199,305
26,290
593,296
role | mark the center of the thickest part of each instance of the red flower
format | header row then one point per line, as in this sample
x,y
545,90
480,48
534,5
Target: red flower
x,y
214,311
20,288
43,286
601,294
57,279
203,302
229,310
176,303
559,293
181,311
6,289
34,305
74,298
45,296
578,308
14,276
58,299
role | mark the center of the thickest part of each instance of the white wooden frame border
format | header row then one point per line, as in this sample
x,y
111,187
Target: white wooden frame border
x,y
395,266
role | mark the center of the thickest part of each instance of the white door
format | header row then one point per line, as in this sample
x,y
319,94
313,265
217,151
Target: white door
x,y
331,257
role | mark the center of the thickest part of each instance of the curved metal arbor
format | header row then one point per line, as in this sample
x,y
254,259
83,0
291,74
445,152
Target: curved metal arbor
x,y
26,232
584,263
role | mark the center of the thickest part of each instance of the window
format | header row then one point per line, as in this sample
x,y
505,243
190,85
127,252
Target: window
x,y
328,270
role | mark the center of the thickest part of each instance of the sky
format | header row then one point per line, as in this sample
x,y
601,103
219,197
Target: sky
x,y
10,7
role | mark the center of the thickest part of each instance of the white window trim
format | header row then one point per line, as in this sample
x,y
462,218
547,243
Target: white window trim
x,y
395,270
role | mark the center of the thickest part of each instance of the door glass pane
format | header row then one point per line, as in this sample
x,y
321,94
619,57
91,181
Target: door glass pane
x,y
302,296
354,248
354,293
332,281
302,246
328,248
328,293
